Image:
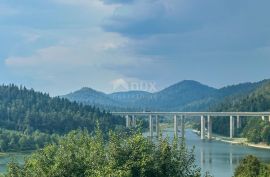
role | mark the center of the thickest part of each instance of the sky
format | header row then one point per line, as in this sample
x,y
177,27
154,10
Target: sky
x,y
59,46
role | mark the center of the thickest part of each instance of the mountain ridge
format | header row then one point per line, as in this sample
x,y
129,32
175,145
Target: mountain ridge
x,y
186,95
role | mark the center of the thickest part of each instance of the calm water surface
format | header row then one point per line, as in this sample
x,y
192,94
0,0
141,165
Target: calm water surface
x,y
6,158
220,158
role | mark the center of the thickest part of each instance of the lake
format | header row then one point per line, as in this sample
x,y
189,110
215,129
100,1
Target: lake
x,y
220,158
6,158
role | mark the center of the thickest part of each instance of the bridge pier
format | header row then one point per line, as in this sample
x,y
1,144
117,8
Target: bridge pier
x,y
127,121
231,126
150,126
134,121
157,125
238,122
182,126
131,120
175,120
202,128
209,128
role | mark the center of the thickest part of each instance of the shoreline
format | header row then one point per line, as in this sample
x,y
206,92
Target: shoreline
x,y
239,141
2,154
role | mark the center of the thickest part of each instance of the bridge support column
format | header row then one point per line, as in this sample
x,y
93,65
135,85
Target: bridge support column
x,y
202,127
175,126
209,127
182,126
269,118
157,125
263,118
150,126
238,122
127,121
134,121
231,126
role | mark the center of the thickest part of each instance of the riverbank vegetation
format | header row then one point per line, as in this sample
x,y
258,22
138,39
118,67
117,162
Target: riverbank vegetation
x,y
251,166
81,154
16,141
254,129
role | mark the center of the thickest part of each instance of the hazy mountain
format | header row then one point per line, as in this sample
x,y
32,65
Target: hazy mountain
x,y
91,97
258,99
187,95
178,95
129,97
239,89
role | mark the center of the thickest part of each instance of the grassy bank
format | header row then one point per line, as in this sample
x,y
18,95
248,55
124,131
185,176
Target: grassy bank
x,y
241,141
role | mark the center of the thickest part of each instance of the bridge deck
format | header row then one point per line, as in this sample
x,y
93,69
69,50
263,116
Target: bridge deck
x,y
194,114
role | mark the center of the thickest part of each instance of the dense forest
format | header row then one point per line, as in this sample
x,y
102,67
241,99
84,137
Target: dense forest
x,y
255,129
14,141
29,117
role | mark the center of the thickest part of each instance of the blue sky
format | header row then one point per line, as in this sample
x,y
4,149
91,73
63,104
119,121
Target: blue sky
x,y
58,46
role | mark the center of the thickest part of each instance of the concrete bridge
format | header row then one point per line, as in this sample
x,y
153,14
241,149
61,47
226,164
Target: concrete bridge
x,y
179,117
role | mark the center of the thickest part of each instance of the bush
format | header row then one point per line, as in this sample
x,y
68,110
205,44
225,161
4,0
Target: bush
x,y
82,155
250,166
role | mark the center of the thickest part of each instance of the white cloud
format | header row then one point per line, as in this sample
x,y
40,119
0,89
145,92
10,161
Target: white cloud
x,y
50,55
76,62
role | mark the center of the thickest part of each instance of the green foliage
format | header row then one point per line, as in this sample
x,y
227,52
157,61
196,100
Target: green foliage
x,y
18,141
254,136
265,134
250,166
254,129
27,110
82,155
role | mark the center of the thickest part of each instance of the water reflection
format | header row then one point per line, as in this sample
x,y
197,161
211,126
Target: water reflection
x,y
220,158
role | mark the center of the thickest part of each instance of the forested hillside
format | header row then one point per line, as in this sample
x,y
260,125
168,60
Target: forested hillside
x,y
22,109
30,120
254,129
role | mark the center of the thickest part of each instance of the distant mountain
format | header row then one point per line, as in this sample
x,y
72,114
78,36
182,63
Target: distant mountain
x,y
258,99
187,95
129,97
173,97
239,89
178,95
91,97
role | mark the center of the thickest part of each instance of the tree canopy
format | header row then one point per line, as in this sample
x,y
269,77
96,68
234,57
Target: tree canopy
x,y
26,110
250,166
79,154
